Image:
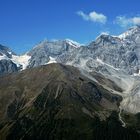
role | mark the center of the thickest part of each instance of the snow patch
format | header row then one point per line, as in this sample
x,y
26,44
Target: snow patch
x,y
103,63
137,74
21,60
128,33
73,43
10,52
18,60
52,60
124,35
3,56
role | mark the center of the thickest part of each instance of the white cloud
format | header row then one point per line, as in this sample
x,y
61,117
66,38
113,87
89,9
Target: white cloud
x,y
93,16
83,15
124,21
136,20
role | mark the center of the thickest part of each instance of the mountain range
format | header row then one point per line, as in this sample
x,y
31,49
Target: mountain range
x,y
121,52
61,89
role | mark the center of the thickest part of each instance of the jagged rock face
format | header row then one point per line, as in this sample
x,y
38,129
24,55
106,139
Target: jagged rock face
x,y
121,52
7,66
118,51
5,51
132,35
41,54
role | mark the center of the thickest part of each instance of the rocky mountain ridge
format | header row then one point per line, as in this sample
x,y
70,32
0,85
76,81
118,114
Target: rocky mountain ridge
x,y
121,52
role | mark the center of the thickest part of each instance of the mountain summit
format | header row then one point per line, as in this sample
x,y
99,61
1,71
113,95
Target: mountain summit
x,y
132,33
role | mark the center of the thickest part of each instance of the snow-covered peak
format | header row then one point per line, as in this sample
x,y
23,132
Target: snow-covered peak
x,y
105,40
130,32
73,43
102,35
106,36
55,42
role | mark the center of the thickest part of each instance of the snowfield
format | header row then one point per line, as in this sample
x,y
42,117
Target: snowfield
x,y
22,60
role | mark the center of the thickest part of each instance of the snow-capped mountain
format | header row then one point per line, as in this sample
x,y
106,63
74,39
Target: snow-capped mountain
x,y
42,53
133,34
45,52
10,62
121,52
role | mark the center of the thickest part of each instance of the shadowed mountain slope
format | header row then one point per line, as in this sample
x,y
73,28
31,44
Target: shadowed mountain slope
x,y
57,102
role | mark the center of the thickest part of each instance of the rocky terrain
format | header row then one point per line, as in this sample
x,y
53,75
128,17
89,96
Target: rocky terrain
x,y
6,64
120,52
89,91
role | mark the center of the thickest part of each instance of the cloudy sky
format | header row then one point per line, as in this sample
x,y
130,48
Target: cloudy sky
x,y
24,23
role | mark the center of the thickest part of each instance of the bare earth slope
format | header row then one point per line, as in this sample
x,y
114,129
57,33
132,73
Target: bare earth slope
x,y
56,102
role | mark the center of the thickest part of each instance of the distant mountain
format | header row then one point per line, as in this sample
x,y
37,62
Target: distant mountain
x,y
44,51
120,52
132,35
58,102
10,62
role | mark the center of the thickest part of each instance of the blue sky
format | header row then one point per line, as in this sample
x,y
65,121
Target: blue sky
x,y
24,23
